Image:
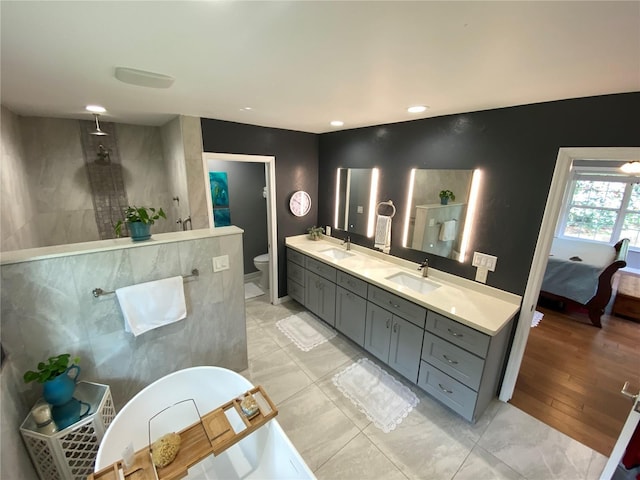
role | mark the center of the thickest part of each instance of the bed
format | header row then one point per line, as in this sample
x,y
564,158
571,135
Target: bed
x,y
580,273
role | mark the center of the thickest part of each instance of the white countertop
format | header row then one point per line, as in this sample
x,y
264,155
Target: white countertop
x,y
479,306
29,254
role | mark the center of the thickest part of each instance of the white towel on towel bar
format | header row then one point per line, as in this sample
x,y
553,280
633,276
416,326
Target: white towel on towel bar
x,y
150,305
448,231
383,233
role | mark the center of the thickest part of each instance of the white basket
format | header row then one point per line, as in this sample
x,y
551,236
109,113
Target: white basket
x,y
71,453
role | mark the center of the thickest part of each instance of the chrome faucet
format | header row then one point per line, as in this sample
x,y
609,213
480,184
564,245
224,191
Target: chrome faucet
x,y
184,223
424,266
347,241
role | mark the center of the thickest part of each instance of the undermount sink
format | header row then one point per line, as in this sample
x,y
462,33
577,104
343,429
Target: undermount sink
x,y
336,253
417,284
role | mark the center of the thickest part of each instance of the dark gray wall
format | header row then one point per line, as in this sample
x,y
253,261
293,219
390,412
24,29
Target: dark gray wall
x,y
296,156
247,205
516,148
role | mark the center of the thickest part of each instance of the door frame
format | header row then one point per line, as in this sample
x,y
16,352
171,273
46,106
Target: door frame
x,y
561,177
272,227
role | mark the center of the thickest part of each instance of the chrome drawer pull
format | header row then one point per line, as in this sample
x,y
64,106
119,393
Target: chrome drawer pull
x,y
395,305
452,362
444,389
454,333
395,327
388,323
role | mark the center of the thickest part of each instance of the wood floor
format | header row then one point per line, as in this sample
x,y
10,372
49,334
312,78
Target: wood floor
x,y
572,374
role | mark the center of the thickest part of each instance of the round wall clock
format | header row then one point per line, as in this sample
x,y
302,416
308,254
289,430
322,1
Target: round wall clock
x,y
300,203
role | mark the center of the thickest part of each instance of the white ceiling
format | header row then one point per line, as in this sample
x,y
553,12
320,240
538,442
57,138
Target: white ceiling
x,y
300,65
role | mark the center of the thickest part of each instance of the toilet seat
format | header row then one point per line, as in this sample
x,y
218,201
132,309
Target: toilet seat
x,y
264,258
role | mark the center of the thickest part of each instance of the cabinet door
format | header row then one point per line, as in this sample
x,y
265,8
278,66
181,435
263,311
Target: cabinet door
x,y
351,314
406,345
327,301
378,331
312,292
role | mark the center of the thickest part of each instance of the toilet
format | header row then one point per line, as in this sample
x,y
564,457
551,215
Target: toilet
x,y
262,264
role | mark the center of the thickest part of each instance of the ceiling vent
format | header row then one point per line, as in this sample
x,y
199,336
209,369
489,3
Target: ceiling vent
x,y
143,78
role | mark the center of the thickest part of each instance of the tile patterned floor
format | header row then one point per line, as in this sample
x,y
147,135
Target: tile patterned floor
x,y
339,442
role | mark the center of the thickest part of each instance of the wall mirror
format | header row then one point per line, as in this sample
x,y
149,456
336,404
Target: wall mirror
x,y
356,194
436,225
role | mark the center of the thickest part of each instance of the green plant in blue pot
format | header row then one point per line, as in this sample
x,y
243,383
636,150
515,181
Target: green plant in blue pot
x,y
56,377
445,196
139,221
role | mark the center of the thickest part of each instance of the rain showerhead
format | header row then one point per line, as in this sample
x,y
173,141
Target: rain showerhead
x,y
97,131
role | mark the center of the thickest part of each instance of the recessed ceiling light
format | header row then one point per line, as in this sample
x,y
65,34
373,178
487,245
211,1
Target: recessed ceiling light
x,y
246,109
95,109
337,123
416,109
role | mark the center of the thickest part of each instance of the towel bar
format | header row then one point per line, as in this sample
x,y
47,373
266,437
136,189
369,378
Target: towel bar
x,y
97,292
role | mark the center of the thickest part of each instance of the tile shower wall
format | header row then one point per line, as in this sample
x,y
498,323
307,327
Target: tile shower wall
x,y
46,196
17,208
173,153
48,308
104,170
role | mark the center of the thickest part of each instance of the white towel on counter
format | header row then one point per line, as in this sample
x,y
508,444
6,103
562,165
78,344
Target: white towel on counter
x,y
448,231
150,305
383,233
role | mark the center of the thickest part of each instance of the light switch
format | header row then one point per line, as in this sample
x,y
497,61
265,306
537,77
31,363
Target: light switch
x,y
485,261
220,263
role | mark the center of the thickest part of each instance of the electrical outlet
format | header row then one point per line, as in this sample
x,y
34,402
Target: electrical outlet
x,y
220,263
482,260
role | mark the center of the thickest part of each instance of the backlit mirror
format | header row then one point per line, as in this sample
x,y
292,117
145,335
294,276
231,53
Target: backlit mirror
x,y
356,192
440,214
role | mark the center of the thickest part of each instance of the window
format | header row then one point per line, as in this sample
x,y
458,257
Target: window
x,y
602,208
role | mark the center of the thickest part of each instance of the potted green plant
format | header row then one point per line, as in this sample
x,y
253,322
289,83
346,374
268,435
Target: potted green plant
x,y
139,220
58,385
445,195
315,233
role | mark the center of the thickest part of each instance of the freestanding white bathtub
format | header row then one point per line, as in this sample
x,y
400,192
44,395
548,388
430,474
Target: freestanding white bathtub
x,y
266,453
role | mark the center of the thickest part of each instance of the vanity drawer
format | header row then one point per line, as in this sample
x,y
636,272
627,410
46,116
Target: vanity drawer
x,y
452,393
397,305
295,257
357,286
321,269
295,291
461,335
454,361
295,272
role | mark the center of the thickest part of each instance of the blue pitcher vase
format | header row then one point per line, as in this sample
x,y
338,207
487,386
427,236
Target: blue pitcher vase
x,y
59,390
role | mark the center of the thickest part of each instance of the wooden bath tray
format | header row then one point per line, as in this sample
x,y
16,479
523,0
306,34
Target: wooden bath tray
x,y
213,434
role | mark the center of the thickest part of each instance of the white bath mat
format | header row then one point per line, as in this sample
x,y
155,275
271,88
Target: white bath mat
x,y
537,318
251,290
305,330
384,400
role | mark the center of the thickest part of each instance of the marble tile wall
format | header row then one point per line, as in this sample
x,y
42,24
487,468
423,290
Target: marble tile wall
x,y
17,208
145,172
173,153
47,308
192,135
46,194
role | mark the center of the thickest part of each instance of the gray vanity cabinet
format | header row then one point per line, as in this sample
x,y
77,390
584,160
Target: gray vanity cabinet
x,y
378,332
351,306
320,297
461,366
393,340
295,275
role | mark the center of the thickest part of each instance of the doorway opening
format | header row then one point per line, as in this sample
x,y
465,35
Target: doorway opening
x,y
220,214
561,177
